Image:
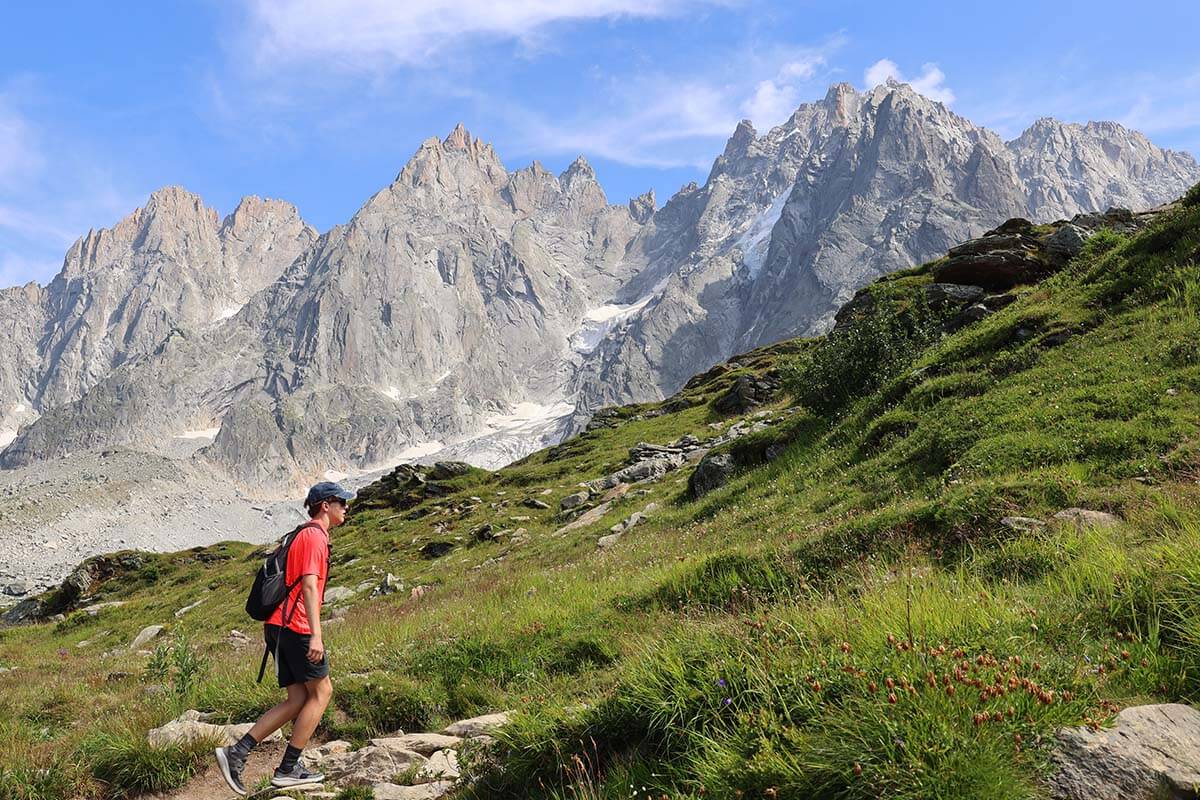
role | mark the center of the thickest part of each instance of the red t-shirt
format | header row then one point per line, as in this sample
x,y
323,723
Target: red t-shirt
x,y
308,555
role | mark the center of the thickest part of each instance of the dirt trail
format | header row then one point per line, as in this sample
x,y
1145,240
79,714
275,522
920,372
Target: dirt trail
x,y
208,784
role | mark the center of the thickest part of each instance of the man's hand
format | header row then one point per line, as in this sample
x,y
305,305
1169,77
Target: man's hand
x,y
316,649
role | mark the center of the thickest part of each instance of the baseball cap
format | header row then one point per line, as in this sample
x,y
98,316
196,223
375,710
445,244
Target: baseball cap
x,y
326,490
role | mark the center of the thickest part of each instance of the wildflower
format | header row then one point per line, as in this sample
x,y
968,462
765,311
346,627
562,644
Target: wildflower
x,y
845,647
950,690
857,769
721,682
892,698
1125,654
888,682
872,687
727,701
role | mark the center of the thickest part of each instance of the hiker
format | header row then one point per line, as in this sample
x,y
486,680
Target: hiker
x,y
293,635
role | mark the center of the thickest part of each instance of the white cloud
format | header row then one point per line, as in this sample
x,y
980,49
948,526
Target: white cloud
x,y
19,154
776,98
368,34
52,190
660,125
931,81
662,120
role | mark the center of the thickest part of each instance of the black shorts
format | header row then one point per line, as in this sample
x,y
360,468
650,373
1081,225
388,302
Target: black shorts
x,y
291,656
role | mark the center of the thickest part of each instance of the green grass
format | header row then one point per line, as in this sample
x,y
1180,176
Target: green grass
x,y
730,644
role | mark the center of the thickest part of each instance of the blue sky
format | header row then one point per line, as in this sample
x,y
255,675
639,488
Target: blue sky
x,y
322,103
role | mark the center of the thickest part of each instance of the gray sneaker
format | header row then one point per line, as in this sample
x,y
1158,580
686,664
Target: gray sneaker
x,y
297,776
231,765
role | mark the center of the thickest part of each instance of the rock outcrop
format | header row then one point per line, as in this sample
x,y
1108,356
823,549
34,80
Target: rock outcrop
x,y
1151,753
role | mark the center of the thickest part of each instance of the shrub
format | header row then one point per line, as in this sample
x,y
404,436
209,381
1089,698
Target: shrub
x,y
853,362
1192,197
130,767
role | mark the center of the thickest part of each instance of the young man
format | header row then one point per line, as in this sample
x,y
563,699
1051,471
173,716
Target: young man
x,y
293,634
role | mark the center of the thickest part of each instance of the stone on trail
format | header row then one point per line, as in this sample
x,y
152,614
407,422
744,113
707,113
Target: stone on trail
x,y
424,743
1153,752
1087,518
149,632
371,764
190,727
477,726
425,791
442,766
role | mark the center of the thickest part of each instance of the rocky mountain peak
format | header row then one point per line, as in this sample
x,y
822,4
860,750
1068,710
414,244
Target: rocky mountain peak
x,y
579,169
642,207
743,136
459,138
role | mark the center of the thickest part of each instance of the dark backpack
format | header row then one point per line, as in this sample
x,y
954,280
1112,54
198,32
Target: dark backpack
x,y
271,588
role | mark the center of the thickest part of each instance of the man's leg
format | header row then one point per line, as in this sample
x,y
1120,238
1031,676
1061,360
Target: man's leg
x,y
290,772
318,692
281,714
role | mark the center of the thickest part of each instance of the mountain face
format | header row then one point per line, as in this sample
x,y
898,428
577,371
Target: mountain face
x,y
789,224
447,300
473,311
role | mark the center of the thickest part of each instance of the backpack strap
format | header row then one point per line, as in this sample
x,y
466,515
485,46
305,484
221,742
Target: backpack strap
x,y
262,668
287,618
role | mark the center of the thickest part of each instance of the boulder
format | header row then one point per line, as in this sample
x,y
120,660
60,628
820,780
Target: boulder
x,y
574,500
1086,518
713,471
1153,752
237,639
424,743
478,726
425,791
747,392
146,635
589,517
650,469
608,540
1066,242
533,502
998,260
445,470
187,608
336,594
371,764
389,585
190,727
968,316
17,589
1021,524
441,766
952,295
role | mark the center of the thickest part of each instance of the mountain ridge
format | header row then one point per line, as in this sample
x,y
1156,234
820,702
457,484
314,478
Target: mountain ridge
x,y
462,290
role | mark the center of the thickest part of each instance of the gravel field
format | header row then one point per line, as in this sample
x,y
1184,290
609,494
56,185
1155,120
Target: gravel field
x,y
55,514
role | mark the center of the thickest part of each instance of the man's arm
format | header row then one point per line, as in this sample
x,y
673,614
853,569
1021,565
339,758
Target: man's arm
x,y
312,607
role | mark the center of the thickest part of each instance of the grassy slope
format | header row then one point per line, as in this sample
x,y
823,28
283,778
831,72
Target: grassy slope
x,y
743,642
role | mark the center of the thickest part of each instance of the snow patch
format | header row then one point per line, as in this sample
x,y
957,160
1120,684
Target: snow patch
x,y
599,322
6,437
756,240
202,433
225,313
419,450
334,475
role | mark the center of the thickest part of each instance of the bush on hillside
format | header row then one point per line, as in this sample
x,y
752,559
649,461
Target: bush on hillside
x,y
1192,197
850,363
